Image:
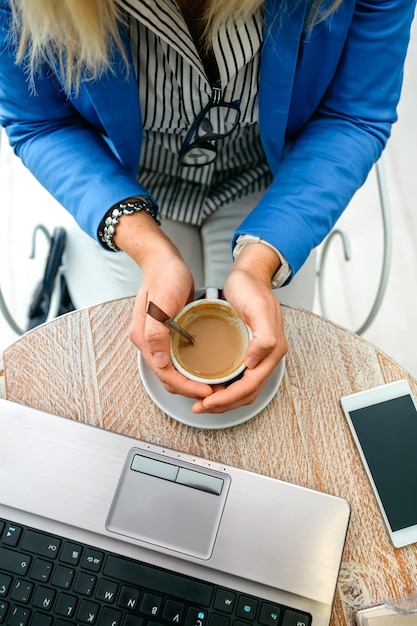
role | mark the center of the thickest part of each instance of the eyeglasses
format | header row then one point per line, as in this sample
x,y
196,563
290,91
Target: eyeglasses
x,y
216,121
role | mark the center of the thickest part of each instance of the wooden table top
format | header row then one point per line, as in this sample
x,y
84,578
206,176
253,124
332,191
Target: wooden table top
x,y
82,365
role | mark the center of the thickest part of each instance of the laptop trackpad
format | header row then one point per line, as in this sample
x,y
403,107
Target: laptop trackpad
x,y
169,503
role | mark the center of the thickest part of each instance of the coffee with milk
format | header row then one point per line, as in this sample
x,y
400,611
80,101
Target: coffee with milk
x,y
220,342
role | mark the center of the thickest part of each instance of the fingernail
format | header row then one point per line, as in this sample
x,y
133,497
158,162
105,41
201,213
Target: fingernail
x,y
160,359
252,361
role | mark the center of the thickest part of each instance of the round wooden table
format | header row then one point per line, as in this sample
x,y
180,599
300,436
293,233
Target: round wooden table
x,y
82,365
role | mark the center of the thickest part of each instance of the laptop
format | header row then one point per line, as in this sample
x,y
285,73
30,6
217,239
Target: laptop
x,y
100,528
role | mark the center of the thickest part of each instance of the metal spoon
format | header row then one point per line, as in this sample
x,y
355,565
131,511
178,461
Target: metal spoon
x,y
158,314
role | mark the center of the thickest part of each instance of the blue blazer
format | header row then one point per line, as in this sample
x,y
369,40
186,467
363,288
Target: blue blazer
x,y
326,104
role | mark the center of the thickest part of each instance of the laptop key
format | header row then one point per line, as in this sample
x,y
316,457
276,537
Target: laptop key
x,y
40,543
43,598
41,570
5,582
70,553
196,617
110,617
12,535
14,562
107,590
22,591
269,614
19,616
65,605
87,612
41,619
84,584
150,604
218,620
294,618
225,600
173,612
92,560
63,577
247,607
129,598
3,610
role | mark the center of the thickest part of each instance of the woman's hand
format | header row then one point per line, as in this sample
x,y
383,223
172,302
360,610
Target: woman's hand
x,y
248,289
167,282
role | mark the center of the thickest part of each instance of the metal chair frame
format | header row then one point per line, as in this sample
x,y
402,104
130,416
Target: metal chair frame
x,y
386,259
56,294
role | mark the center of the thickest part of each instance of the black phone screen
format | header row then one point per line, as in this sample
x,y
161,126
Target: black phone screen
x,y
387,432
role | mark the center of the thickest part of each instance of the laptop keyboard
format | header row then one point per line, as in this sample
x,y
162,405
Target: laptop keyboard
x,y
47,580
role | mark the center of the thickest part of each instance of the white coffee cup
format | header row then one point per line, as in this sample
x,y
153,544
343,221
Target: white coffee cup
x,y
221,339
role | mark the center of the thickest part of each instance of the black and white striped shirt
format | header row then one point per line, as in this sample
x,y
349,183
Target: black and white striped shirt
x,y
173,91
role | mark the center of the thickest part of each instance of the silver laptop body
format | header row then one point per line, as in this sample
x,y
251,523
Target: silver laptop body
x,y
257,535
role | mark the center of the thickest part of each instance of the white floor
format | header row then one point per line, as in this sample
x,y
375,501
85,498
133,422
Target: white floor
x,y
349,287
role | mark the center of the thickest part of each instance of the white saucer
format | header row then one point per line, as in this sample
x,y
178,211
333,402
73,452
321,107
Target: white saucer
x,y
180,408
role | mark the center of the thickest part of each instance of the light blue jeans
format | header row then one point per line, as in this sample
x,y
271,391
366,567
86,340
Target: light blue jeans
x,y
95,275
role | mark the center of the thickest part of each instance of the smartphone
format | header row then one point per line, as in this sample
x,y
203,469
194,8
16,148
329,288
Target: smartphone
x,y
383,422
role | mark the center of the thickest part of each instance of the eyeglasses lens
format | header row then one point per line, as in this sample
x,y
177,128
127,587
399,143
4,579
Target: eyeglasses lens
x,y
199,154
219,121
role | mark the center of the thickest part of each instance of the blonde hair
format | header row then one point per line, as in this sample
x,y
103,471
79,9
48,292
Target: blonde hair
x,y
78,35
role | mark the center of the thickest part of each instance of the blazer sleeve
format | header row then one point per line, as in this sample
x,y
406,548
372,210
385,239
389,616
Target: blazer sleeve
x,y
60,139
330,157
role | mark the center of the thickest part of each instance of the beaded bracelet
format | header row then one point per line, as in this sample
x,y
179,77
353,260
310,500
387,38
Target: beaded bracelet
x,y
135,204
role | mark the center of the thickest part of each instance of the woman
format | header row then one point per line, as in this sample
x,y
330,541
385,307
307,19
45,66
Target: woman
x,y
245,121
